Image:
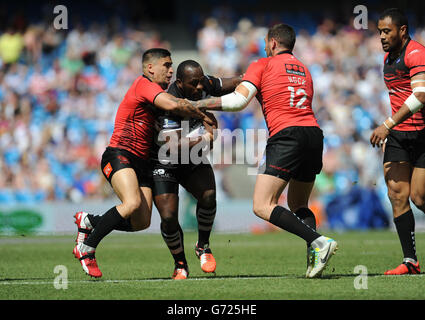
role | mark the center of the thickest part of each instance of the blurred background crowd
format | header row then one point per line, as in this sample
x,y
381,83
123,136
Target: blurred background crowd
x,y
60,89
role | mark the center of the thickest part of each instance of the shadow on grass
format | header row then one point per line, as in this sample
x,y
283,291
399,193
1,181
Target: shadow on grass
x,y
23,279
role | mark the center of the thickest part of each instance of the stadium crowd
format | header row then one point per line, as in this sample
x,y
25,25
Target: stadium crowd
x,y
350,95
59,92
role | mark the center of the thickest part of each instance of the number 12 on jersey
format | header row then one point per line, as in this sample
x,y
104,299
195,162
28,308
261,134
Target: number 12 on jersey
x,y
300,92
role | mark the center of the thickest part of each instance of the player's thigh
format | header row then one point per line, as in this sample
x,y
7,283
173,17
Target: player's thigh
x,y
200,182
267,191
397,177
298,194
417,187
166,191
126,186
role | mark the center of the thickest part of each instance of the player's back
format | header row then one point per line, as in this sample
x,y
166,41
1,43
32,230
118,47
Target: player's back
x,y
285,91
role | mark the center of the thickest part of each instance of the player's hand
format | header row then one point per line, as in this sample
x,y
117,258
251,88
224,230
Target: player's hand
x,y
378,136
210,130
208,120
213,118
187,109
209,138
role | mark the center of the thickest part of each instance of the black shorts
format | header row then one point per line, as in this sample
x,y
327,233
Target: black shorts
x,y
115,159
166,178
294,153
406,146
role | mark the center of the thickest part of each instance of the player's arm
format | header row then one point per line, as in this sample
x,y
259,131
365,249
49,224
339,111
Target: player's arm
x,y
229,84
180,107
413,104
175,140
231,102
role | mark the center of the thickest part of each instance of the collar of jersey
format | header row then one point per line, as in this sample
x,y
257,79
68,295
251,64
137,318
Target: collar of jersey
x,y
146,78
284,51
175,91
401,51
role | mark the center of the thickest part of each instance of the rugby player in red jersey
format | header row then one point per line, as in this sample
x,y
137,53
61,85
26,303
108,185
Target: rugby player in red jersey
x,y
125,163
284,87
402,135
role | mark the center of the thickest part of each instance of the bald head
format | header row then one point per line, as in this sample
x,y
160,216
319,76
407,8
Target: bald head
x,y
187,68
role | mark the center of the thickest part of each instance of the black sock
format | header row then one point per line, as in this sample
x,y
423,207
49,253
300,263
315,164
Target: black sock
x,y
205,219
307,216
405,225
125,225
288,221
105,225
173,237
93,219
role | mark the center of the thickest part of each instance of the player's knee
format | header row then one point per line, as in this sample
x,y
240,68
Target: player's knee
x,y
260,210
169,224
418,199
208,199
131,206
398,197
141,225
168,212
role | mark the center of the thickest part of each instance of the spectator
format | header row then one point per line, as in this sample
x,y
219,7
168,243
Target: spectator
x,y
11,45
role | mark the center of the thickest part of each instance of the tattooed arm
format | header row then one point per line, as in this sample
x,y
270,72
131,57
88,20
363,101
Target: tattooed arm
x,y
229,84
180,107
213,103
234,101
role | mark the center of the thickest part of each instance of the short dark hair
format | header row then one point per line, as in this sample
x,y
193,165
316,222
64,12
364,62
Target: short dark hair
x,y
186,64
397,17
283,34
155,53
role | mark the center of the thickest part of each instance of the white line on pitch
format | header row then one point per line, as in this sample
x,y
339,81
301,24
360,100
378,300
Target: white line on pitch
x,y
17,282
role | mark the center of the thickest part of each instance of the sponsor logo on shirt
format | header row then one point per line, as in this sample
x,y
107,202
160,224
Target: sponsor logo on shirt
x,y
414,51
295,69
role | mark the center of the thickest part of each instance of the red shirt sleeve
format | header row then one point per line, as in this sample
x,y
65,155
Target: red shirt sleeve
x,y
254,72
415,61
147,90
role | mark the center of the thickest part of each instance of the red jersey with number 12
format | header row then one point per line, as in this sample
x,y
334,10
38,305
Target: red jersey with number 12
x,y
134,122
285,91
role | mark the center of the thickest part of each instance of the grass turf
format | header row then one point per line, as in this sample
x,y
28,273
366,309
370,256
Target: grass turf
x,y
249,267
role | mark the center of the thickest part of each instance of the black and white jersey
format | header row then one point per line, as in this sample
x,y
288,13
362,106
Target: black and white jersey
x,y
167,121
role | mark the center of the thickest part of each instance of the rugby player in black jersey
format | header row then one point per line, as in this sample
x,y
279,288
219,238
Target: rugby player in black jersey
x,y
197,179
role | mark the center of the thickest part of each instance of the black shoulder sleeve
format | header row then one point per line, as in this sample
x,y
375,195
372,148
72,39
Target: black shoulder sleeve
x,y
212,86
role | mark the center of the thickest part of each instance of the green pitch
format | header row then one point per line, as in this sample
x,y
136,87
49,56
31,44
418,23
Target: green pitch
x,y
257,267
